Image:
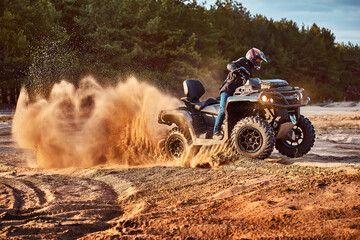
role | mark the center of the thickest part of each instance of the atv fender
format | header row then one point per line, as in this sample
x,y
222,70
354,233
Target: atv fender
x,y
284,130
179,117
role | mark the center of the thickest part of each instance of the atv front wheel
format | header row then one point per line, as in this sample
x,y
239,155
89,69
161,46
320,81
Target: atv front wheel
x,y
176,144
303,141
253,137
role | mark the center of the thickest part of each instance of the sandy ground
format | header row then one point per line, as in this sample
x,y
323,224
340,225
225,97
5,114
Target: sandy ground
x,y
316,196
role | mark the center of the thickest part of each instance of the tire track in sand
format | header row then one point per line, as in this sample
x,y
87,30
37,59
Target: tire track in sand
x,y
69,206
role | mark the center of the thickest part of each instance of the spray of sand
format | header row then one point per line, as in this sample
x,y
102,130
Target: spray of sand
x,y
93,125
209,156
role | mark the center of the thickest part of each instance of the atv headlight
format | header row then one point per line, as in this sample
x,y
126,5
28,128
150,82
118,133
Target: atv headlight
x,y
264,98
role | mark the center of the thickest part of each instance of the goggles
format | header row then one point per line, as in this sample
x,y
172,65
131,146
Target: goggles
x,y
259,60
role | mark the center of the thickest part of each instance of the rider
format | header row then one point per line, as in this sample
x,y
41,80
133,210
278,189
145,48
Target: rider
x,y
254,57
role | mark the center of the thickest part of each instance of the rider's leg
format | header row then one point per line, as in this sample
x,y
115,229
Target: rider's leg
x,y
220,117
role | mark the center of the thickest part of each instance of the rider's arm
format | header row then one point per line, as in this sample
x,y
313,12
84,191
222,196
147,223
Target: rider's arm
x,y
231,67
234,65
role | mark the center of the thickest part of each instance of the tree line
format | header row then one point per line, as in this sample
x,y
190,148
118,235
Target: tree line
x,y
163,42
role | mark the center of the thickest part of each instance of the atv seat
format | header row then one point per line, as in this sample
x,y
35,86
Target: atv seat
x,y
194,90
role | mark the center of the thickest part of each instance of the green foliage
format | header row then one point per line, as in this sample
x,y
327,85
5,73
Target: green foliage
x,y
23,24
165,42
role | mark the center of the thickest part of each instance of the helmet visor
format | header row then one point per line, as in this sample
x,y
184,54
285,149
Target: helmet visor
x,y
259,60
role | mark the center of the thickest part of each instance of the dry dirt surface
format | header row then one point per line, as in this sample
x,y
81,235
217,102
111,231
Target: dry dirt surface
x,y
316,196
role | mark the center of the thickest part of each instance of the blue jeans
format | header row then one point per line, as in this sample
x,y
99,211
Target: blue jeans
x,y
220,117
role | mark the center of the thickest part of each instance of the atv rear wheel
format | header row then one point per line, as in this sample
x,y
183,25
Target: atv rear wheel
x,y
253,137
176,144
303,142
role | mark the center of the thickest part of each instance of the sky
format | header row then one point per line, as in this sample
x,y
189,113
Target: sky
x,y
342,17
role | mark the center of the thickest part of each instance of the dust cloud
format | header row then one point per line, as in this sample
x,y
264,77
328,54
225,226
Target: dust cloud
x,y
92,125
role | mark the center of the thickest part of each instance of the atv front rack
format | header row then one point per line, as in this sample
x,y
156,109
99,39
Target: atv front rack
x,y
286,99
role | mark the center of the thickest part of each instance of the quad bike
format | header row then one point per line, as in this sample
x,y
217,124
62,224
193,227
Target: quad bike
x,y
261,115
